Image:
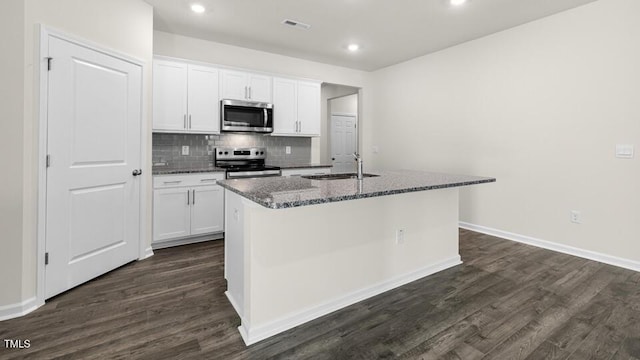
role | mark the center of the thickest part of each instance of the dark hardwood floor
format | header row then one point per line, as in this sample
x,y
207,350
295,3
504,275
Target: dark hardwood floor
x,y
507,301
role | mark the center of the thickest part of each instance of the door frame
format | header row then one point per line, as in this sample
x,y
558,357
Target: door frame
x,y
42,81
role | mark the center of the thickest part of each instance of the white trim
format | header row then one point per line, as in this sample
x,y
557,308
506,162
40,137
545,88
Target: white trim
x,y
41,83
20,309
565,249
184,241
148,252
252,335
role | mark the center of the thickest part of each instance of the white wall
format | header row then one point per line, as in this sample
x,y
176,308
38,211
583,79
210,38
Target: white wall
x,y
178,46
122,25
11,154
345,104
540,107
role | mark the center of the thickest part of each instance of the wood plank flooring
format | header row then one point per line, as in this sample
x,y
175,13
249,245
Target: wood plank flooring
x,y
507,301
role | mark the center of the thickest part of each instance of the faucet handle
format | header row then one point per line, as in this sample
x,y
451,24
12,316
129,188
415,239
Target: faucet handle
x,y
356,156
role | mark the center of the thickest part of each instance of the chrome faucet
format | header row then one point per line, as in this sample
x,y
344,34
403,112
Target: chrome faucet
x,y
359,161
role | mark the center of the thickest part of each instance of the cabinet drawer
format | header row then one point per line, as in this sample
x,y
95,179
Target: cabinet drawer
x,y
165,181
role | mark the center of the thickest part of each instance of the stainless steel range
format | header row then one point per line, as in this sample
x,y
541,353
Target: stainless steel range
x,y
244,162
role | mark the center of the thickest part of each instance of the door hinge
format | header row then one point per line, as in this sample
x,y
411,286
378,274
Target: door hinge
x,y
49,63
48,160
46,258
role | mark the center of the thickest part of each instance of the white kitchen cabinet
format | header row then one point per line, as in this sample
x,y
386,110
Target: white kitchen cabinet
x,y
239,85
308,108
306,171
296,108
206,212
285,106
185,98
186,207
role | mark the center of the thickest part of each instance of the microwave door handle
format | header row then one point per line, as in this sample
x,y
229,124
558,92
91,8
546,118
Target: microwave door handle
x,y
266,117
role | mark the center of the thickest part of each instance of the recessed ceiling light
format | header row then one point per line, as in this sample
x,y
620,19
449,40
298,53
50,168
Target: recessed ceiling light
x,y
197,8
457,2
353,47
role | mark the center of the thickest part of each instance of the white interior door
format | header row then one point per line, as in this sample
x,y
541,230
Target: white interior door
x,y
93,199
343,143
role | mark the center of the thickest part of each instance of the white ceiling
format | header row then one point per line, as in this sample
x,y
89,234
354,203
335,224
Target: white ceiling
x,y
389,31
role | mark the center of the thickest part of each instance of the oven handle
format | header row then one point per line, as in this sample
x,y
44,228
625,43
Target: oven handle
x,y
250,174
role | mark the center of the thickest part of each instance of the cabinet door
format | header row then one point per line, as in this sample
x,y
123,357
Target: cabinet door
x,y
285,100
204,105
260,88
171,213
207,209
234,85
169,96
309,108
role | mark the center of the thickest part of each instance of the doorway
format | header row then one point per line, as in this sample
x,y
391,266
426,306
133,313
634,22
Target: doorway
x,y
92,140
343,130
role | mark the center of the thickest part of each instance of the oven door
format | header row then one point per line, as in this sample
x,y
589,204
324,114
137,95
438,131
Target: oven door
x,y
246,116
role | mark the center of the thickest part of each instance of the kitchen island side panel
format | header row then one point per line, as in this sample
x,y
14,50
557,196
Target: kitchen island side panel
x,y
304,262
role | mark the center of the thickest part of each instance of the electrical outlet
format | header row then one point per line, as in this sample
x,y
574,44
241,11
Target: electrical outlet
x,y
576,217
399,236
287,150
185,150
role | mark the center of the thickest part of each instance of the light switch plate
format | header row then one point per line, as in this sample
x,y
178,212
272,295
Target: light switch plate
x,y
624,151
287,150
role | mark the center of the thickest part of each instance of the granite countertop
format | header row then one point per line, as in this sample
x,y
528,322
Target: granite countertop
x,y
297,165
287,192
169,170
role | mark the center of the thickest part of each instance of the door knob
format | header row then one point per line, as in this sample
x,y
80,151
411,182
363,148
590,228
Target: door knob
x,y
334,159
137,172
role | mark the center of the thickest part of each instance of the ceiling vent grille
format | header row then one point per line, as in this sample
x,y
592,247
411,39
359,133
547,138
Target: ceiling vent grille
x,y
296,24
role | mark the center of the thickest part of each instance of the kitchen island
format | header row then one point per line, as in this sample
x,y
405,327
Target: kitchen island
x,y
297,249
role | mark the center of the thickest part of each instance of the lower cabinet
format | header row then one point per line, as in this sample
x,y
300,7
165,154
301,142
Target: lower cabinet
x,y
186,208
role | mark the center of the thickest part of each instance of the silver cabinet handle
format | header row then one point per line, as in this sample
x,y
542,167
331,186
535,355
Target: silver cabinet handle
x,y
246,92
249,92
184,117
193,199
172,182
203,180
189,121
188,197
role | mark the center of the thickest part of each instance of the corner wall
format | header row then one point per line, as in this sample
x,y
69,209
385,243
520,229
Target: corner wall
x,y
125,26
11,153
540,107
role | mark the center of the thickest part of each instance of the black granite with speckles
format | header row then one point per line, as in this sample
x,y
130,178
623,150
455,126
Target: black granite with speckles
x,y
287,192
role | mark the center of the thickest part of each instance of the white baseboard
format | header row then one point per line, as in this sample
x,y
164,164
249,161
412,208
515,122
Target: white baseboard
x,y
570,250
20,309
184,241
148,252
252,335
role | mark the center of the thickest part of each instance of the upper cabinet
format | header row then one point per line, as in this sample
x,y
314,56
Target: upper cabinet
x,y
185,98
239,85
296,107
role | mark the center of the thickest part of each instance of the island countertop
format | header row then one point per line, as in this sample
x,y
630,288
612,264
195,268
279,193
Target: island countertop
x,y
287,192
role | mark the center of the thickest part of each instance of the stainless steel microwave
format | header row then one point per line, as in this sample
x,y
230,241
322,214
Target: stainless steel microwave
x,y
246,116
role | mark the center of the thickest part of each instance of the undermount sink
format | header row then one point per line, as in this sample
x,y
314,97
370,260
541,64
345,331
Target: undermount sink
x,y
337,176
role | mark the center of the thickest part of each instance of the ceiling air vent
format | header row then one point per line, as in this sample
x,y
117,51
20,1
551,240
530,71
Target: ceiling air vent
x,y
296,24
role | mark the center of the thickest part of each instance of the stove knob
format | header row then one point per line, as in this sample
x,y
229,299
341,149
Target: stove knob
x,y
257,153
226,153
219,152
261,152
